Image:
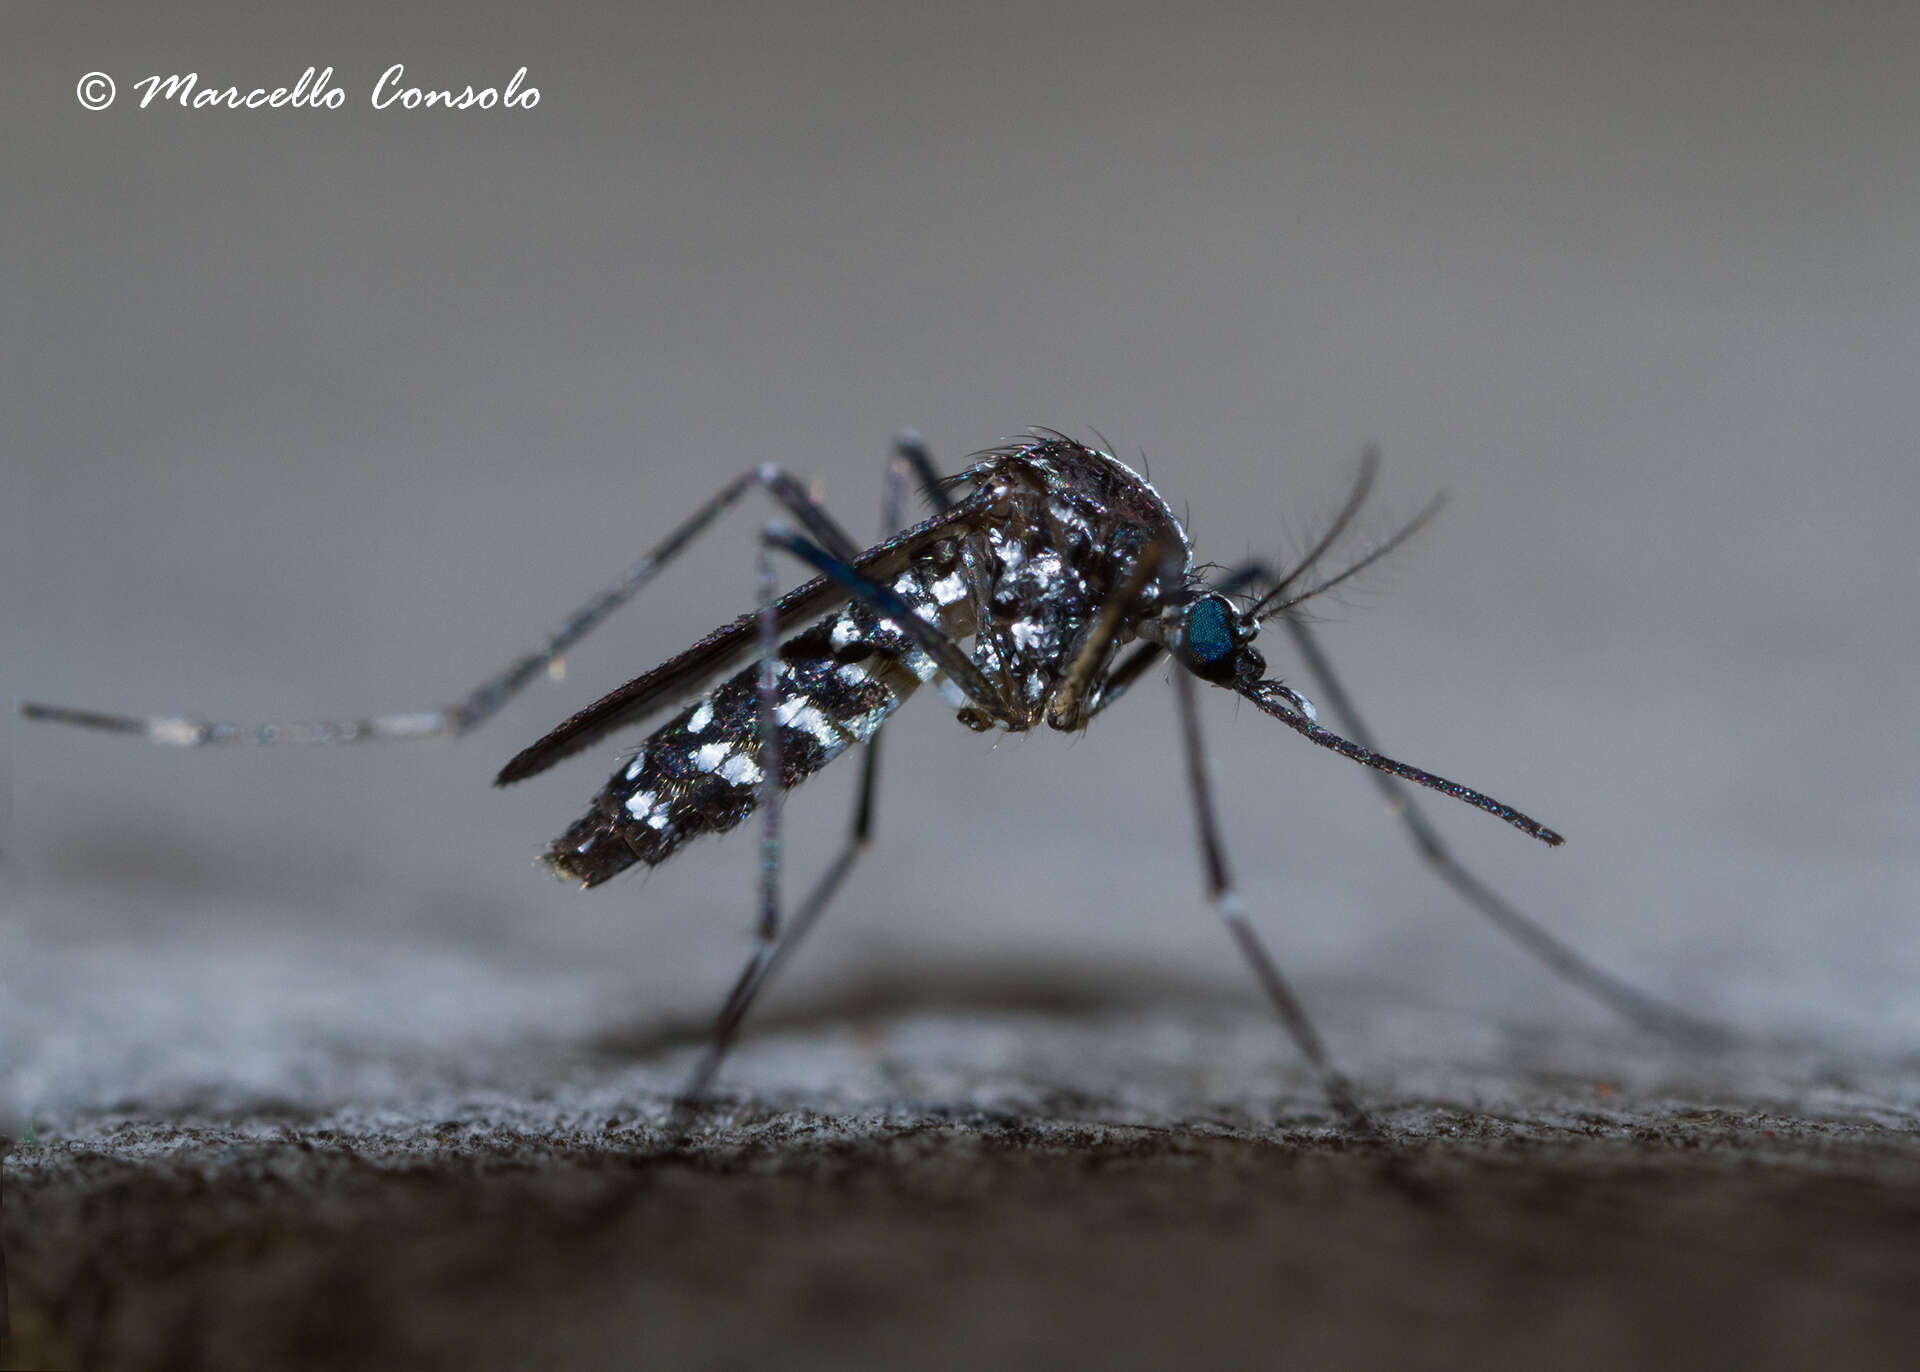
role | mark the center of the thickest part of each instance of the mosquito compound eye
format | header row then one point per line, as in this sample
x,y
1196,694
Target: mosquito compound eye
x,y
1210,633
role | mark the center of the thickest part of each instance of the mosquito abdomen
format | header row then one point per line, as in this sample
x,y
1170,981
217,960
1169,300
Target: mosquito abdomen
x,y
835,684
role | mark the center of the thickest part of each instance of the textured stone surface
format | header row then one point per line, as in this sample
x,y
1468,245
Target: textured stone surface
x,y
1014,1173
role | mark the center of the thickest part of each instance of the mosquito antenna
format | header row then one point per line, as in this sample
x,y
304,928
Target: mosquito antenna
x,y
1297,713
1413,526
1363,483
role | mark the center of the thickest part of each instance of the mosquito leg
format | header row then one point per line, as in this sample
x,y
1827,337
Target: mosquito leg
x,y
910,451
1125,672
448,720
1066,710
1226,900
767,927
1639,1007
770,954
910,454
1634,1004
759,971
486,699
1245,575
766,961
894,607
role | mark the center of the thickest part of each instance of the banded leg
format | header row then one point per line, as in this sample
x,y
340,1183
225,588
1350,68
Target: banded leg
x,y
769,957
486,699
1226,901
767,926
773,950
1647,1011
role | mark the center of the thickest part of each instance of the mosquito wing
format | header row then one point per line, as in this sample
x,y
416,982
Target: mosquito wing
x,y
722,650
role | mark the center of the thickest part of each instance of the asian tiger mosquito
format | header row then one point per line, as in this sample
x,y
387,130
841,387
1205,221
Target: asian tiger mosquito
x,y
1053,558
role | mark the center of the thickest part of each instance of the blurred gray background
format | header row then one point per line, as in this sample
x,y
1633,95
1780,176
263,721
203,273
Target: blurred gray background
x,y
325,412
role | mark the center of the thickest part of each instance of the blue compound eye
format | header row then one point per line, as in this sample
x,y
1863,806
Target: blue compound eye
x,y
1210,632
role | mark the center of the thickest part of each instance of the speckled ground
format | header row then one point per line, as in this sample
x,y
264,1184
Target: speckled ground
x,y
1019,1177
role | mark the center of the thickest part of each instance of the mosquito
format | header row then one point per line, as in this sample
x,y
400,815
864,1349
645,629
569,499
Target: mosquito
x,y
1048,579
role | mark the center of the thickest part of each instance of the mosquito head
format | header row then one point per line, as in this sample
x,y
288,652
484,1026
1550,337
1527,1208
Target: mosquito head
x,y
1214,641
